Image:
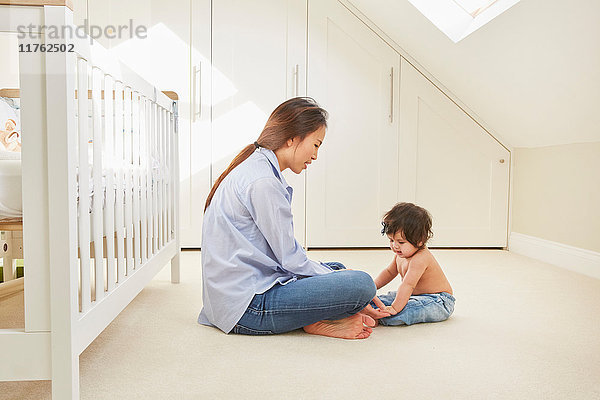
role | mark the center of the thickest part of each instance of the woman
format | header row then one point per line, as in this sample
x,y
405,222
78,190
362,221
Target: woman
x,y
257,279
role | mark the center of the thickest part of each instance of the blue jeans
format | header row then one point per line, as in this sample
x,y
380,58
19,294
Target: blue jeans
x,y
434,307
284,308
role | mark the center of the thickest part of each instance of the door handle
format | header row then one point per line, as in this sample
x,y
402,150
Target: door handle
x,y
296,80
392,95
197,93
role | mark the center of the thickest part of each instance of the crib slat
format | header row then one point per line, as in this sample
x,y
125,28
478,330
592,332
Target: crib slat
x,y
157,181
161,133
136,179
149,176
164,181
163,208
172,176
169,176
98,195
164,174
151,125
109,215
155,133
119,176
128,182
84,189
143,178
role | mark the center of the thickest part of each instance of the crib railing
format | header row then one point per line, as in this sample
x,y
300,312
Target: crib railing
x,y
125,151
125,147
100,190
125,166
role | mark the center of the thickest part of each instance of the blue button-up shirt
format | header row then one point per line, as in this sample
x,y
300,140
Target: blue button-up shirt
x,y
248,242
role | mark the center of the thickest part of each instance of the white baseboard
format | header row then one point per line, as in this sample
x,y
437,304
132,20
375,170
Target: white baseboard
x,y
572,258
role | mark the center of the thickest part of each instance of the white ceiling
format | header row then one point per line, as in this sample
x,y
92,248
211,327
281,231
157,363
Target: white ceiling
x,y
532,74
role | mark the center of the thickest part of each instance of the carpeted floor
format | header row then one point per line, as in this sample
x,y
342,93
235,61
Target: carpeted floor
x,y
521,330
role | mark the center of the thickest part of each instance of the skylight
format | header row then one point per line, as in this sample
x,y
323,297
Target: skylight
x,y
475,7
459,18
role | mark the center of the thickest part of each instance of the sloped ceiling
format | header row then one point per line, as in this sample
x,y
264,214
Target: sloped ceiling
x,y
532,74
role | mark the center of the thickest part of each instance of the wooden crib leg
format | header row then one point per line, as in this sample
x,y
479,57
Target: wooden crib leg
x,y
175,267
65,374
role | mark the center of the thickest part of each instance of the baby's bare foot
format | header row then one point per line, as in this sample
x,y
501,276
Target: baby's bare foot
x,y
352,327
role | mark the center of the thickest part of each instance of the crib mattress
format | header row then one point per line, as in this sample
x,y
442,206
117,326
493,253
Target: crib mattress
x,y
11,191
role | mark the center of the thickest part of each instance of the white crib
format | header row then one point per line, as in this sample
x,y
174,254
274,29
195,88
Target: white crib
x,y
100,200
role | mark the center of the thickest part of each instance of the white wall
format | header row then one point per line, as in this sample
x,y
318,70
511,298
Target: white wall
x,y
556,194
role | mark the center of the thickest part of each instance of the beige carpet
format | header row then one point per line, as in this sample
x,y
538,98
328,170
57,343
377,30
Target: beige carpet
x,y
521,330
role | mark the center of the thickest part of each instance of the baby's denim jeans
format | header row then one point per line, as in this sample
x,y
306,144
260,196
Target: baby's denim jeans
x,y
433,307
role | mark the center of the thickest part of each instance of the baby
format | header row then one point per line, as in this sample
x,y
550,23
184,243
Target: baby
x,y
425,295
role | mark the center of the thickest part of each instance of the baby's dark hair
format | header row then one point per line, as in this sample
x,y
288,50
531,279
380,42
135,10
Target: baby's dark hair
x,y
413,221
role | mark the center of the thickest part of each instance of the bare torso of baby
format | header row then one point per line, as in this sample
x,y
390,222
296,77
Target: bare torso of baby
x,y
433,279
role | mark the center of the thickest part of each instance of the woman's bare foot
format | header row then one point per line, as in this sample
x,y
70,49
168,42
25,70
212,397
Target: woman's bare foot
x,y
354,327
375,321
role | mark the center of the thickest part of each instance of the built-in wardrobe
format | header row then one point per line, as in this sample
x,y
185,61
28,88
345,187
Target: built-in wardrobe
x,y
393,135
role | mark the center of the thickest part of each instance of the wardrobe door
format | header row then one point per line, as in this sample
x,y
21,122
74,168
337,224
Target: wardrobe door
x,y
173,55
353,74
258,61
451,166
80,12
195,150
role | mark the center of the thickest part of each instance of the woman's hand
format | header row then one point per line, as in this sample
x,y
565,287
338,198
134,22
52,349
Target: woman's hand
x,y
378,303
374,313
389,309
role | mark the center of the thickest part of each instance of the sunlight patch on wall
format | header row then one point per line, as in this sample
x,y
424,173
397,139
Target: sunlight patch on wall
x,y
9,70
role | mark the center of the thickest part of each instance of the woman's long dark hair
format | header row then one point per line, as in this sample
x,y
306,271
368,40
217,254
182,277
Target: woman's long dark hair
x,y
297,117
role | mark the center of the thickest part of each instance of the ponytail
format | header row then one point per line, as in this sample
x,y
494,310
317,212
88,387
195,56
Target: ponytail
x,y
296,117
243,155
